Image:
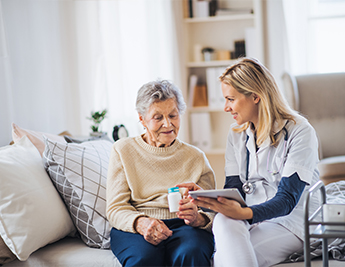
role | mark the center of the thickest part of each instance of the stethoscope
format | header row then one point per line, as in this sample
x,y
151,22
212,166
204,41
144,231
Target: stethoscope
x,y
249,187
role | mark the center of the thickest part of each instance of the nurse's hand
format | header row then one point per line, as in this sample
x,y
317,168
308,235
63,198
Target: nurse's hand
x,y
188,211
153,230
225,206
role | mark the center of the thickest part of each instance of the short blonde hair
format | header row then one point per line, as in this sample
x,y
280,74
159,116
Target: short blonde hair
x,y
248,76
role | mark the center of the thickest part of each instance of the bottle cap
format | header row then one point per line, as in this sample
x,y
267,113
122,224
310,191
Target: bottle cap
x,y
173,189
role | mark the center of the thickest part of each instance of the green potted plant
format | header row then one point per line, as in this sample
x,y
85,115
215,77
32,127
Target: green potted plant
x,y
97,117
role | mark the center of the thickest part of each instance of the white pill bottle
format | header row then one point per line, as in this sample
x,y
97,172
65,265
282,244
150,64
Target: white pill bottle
x,y
174,197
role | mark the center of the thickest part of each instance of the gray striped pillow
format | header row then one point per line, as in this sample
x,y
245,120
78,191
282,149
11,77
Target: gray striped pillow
x,y
79,173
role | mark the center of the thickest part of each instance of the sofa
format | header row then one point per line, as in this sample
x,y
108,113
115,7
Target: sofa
x,y
320,98
52,202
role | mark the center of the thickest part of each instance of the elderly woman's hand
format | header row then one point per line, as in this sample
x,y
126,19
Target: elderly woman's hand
x,y
188,211
153,230
189,187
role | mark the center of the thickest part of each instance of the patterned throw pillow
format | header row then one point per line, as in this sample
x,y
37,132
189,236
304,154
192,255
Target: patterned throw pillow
x,y
79,172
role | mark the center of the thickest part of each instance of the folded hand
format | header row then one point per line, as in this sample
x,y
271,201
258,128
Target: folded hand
x,y
153,230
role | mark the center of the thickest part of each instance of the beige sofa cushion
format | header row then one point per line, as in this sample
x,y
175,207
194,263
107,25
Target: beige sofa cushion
x,y
331,134
320,98
332,169
6,254
69,252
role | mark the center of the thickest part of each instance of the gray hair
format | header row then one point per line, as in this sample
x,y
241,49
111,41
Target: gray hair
x,y
157,91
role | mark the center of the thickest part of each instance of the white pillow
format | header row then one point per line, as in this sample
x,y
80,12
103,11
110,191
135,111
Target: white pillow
x,y
32,213
79,172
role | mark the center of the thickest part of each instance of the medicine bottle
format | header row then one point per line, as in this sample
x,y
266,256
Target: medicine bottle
x,y
174,197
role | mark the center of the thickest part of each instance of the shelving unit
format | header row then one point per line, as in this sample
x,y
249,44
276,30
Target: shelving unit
x,y
213,63
221,18
320,231
220,33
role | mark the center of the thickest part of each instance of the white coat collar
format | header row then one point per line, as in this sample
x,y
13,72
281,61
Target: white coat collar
x,y
250,144
277,127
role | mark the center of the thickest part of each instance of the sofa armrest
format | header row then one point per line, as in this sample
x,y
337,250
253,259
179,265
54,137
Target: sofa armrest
x,y
291,90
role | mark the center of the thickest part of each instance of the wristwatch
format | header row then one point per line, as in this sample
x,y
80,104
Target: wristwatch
x,y
119,132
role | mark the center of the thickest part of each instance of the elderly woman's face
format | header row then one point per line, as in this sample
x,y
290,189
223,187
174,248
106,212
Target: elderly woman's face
x,y
162,123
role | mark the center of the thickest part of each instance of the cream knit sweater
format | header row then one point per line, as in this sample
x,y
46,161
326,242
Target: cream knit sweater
x,y
139,176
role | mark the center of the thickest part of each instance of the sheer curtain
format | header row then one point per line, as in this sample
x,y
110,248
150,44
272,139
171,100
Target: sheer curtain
x,y
37,75
5,78
62,59
296,21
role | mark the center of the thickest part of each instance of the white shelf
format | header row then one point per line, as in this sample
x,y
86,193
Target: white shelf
x,y
213,63
220,18
205,109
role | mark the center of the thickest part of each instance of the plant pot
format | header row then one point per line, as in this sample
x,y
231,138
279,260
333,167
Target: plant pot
x,y
96,133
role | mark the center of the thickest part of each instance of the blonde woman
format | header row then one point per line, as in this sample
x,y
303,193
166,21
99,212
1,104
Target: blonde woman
x,y
271,157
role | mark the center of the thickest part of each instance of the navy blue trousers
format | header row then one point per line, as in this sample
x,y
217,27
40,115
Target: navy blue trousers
x,y
188,246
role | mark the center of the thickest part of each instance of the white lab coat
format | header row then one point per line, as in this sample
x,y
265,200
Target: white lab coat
x,y
301,156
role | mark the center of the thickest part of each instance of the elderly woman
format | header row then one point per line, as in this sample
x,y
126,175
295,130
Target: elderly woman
x,y
141,169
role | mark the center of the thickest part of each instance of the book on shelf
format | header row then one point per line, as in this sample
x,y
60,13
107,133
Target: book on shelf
x,y
190,8
233,11
205,8
201,130
186,9
240,48
197,93
201,8
214,89
193,81
213,7
200,96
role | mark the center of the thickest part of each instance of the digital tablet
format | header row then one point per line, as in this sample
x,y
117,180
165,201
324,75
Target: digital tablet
x,y
231,193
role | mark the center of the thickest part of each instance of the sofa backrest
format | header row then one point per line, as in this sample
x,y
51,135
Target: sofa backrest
x,y
321,99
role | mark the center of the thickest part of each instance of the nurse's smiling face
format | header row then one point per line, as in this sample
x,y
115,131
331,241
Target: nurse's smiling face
x,y
162,123
243,108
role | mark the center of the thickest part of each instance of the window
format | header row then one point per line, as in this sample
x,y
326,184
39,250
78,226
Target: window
x,y
326,36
